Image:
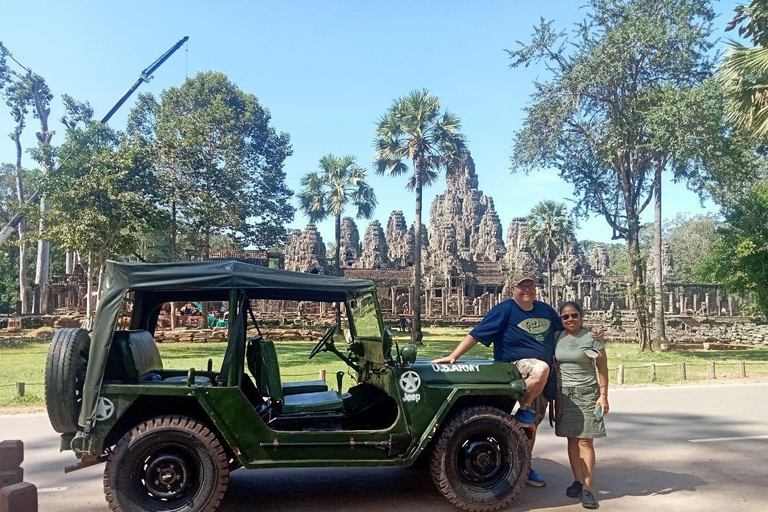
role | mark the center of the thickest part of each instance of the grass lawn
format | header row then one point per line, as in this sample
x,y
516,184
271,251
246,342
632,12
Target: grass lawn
x,y
26,363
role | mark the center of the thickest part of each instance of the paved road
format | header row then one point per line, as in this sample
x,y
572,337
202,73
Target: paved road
x,y
648,462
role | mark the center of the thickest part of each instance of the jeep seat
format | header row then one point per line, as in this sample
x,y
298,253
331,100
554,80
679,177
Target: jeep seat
x,y
134,357
269,383
256,364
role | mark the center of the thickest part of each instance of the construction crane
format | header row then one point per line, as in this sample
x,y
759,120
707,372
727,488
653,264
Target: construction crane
x,y
145,76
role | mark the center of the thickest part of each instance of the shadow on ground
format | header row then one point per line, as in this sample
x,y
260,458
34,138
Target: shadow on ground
x,y
405,489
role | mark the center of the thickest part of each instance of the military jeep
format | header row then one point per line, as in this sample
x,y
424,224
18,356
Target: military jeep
x,y
170,438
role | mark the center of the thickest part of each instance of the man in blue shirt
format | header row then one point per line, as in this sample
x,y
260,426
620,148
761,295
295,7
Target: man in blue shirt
x,y
522,331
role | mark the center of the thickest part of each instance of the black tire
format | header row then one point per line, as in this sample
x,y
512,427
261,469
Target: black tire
x,y
481,459
64,377
167,464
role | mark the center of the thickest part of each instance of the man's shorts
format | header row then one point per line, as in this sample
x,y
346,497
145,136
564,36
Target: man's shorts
x,y
539,405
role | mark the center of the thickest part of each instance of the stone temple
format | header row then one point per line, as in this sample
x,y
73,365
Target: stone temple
x,y
467,262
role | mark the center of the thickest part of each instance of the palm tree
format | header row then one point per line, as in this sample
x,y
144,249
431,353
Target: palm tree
x,y
744,71
548,232
339,182
414,129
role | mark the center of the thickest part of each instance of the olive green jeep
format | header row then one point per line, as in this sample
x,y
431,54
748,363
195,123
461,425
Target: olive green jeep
x,y
170,438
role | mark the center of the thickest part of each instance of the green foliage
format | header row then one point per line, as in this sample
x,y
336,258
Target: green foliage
x,y
218,161
691,239
743,74
339,182
4,72
9,279
617,256
415,129
548,230
101,195
739,259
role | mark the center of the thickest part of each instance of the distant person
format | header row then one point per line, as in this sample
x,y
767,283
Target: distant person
x,y
522,331
403,323
584,399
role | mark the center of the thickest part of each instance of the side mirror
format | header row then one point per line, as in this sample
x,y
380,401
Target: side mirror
x,y
409,353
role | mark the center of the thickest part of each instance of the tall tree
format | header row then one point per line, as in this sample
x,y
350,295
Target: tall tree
x,y
339,182
44,154
744,71
593,120
217,140
548,232
18,97
415,129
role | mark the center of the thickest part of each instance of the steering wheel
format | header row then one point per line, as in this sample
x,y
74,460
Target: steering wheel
x,y
325,342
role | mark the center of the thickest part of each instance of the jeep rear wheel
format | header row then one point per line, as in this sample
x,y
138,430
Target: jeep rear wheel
x,y
480,461
167,464
64,377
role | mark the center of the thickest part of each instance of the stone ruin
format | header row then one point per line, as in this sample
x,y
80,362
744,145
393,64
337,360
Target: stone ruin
x,y
305,251
375,251
350,242
467,262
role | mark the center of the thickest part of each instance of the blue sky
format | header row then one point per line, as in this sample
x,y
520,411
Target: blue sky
x,y
326,71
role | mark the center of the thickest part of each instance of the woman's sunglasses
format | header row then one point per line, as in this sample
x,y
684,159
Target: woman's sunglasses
x,y
572,315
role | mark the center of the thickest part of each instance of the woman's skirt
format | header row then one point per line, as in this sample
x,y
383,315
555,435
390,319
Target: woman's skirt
x,y
578,413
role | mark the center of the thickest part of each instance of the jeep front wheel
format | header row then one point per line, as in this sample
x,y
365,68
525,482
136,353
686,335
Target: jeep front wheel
x,y
167,464
481,459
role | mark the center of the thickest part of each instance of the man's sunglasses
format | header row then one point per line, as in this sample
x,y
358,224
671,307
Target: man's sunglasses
x,y
572,315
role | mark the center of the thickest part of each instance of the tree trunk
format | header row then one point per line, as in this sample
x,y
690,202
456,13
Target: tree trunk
x,y
173,256
638,283
416,334
43,266
22,227
207,243
69,265
89,291
102,269
44,137
659,333
550,297
338,266
174,233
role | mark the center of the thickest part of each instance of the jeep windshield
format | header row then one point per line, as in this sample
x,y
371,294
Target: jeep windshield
x,y
365,321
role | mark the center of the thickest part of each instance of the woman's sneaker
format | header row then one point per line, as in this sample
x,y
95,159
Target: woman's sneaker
x,y
574,490
534,479
588,499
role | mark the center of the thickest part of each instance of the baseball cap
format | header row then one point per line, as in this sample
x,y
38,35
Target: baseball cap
x,y
518,276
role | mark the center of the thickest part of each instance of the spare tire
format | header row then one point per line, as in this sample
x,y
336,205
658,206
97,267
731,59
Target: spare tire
x,y
64,377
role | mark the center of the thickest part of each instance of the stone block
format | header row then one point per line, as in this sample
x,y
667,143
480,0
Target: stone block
x,y
20,497
11,476
11,454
